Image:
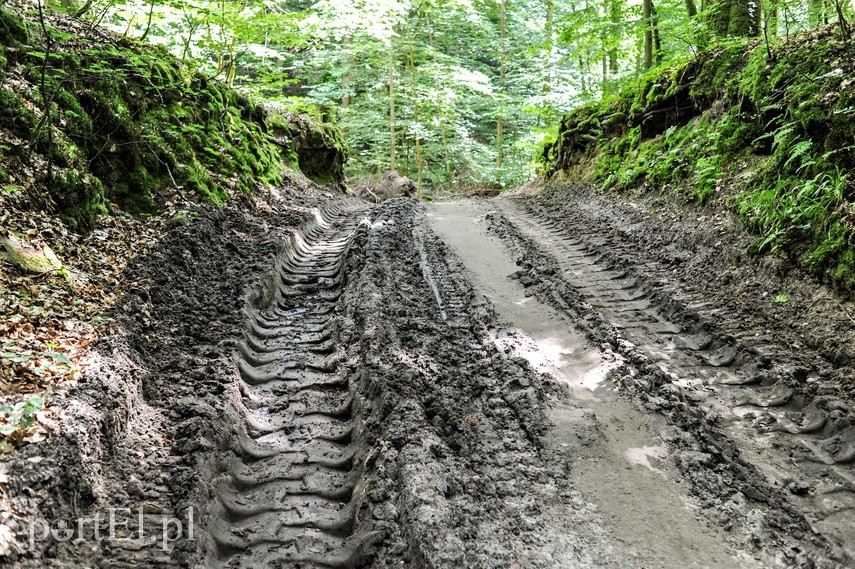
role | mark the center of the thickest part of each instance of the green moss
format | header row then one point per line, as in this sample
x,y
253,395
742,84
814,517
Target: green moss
x,y
80,199
128,121
781,129
14,30
15,116
713,71
318,149
844,272
197,179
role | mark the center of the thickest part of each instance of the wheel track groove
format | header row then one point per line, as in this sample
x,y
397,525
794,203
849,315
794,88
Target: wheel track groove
x,y
291,483
713,366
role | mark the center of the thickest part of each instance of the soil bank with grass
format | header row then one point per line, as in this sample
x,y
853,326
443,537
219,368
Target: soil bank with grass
x,y
766,131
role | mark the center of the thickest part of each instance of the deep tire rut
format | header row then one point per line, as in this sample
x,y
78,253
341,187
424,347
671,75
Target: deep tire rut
x,y
731,375
290,486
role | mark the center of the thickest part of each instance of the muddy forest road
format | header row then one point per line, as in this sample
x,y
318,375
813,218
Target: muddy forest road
x,y
727,458
489,384
512,383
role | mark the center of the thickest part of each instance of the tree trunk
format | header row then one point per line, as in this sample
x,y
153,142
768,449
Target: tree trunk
x,y
583,71
770,19
817,12
230,75
419,164
446,150
347,78
500,119
740,21
647,16
691,8
391,109
549,44
148,24
606,83
734,18
615,17
85,8
439,108
549,27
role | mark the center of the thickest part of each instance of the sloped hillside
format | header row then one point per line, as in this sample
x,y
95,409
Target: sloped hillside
x,y
89,120
766,131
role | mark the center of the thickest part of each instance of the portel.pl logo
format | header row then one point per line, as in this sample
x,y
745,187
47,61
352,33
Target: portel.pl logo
x,y
116,525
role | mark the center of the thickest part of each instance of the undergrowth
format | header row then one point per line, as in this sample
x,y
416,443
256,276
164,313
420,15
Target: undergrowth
x,y
118,122
771,138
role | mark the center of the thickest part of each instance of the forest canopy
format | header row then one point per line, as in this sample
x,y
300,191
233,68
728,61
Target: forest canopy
x,y
449,92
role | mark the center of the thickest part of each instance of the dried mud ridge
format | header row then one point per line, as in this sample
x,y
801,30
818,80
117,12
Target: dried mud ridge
x,y
766,444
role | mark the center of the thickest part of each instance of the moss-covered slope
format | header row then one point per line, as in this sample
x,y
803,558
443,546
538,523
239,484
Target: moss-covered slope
x,y
768,132
317,148
88,119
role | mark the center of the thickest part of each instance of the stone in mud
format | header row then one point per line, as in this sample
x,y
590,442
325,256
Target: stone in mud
x,y
28,258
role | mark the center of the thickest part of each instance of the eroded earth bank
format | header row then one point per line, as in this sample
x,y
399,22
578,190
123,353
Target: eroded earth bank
x,y
528,382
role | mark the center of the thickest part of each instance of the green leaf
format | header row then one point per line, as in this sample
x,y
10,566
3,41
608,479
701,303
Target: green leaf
x,y
36,402
62,358
17,358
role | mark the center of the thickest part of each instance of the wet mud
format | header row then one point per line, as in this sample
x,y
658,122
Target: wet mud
x,y
760,414
315,381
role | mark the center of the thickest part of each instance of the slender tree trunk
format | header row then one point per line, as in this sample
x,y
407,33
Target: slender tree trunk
x,y
148,24
391,109
499,142
549,27
657,39
218,54
844,26
583,70
692,13
770,19
130,25
347,78
615,17
230,76
186,43
647,16
439,105
419,163
606,83
549,44
446,150
609,58
500,152
85,8
192,26
817,12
